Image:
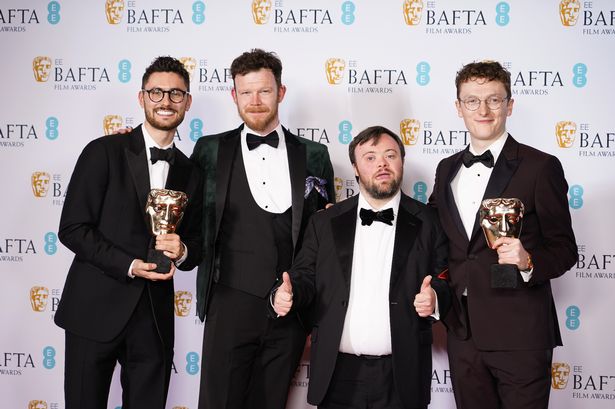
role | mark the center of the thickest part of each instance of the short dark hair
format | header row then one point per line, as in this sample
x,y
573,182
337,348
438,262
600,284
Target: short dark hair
x,y
255,60
166,64
488,70
373,133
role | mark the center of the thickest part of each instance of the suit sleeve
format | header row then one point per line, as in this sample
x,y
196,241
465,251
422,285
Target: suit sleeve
x,y
328,175
190,230
303,270
439,273
80,218
557,251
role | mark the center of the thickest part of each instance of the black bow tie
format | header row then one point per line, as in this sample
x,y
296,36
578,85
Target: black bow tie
x,y
167,155
469,159
385,216
254,141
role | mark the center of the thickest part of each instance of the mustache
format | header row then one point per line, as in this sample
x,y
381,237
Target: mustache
x,y
257,110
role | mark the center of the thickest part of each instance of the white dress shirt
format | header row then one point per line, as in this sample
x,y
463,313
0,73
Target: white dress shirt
x,y
267,172
367,327
469,185
158,173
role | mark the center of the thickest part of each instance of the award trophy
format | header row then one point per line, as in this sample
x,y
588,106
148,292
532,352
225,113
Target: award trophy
x,y
165,209
502,217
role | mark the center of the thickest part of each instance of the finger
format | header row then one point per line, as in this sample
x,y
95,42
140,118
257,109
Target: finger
x,y
286,283
426,283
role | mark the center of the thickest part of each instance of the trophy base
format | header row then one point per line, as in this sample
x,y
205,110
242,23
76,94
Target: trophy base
x,y
505,276
163,263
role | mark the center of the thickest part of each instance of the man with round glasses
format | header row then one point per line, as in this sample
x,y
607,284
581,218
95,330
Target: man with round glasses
x,y
501,340
115,307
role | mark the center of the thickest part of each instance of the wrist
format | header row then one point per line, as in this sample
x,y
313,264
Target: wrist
x,y
529,263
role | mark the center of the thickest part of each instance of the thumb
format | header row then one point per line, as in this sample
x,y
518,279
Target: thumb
x,y
286,282
426,283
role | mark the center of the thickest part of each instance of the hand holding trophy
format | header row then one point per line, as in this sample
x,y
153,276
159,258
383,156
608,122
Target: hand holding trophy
x,y
165,210
501,217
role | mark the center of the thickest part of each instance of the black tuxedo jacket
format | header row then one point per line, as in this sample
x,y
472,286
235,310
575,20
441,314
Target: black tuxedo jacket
x,y
321,276
509,319
214,155
104,223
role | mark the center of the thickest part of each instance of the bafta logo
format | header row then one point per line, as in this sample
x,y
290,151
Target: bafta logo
x,y
114,10
560,371
183,301
412,12
38,298
261,9
112,123
40,183
339,185
565,132
41,66
189,64
334,68
37,404
409,130
569,12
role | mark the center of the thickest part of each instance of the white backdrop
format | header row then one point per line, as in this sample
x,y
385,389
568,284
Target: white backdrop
x,y
390,69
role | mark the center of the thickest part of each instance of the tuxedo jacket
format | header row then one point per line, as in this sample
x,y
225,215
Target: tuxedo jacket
x,y
321,276
214,155
104,223
509,319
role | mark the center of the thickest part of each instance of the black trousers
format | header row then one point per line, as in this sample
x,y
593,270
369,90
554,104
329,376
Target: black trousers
x,y
498,379
362,382
145,372
249,358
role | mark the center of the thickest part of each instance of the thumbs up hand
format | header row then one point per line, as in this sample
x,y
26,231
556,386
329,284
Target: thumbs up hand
x,y
425,300
283,297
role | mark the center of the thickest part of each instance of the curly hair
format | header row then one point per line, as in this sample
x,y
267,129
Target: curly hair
x,y
166,64
255,60
488,70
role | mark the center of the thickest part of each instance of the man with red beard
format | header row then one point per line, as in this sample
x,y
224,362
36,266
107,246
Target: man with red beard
x,y
261,185
370,266
115,307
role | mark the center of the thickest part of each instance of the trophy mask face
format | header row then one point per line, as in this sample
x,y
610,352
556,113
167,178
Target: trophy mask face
x,y
409,130
260,11
183,301
165,209
412,11
559,375
38,298
501,218
334,69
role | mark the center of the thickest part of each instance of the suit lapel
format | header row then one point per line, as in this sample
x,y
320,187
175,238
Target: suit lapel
x,y
449,199
226,153
343,227
179,174
297,171
503,170
406,231
137,163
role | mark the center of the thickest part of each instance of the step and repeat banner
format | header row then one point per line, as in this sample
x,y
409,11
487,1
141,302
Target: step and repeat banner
x,y
71,71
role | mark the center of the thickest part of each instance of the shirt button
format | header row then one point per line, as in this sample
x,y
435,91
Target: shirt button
x,y
263,183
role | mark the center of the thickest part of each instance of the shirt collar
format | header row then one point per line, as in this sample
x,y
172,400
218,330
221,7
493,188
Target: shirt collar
x,y
246,129
495,147
393,203
150,142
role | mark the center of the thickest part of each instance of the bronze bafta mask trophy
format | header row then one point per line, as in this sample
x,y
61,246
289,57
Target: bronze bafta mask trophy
x,y
164,209
502,217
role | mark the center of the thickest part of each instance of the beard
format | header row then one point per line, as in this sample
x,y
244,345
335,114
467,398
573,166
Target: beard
x,y
381,190
263,123
151,118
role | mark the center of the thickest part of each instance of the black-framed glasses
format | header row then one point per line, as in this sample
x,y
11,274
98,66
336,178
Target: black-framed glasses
x,y
157,94
493,103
